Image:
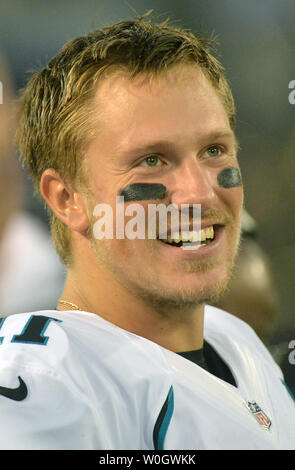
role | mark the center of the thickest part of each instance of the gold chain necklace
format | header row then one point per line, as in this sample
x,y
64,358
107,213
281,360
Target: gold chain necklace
x,y
70,304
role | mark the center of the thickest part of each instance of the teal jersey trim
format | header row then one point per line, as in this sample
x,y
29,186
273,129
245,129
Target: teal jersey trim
x,y
163,421
2,320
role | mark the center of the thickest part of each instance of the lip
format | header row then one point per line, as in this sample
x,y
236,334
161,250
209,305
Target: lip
x,y
200,251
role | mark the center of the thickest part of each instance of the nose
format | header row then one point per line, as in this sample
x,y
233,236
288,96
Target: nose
x,y
193,184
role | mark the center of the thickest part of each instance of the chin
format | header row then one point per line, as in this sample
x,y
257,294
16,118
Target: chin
x,y
183,296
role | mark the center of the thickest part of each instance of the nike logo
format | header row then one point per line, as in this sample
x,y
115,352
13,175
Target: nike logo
x,y
16,394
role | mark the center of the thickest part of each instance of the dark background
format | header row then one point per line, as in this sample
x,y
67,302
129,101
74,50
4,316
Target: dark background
x,y
257,46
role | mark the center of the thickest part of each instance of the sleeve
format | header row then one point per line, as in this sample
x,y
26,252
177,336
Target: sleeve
x,y
41,403
39,411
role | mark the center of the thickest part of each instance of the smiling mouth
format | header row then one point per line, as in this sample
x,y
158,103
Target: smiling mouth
x,y
192,238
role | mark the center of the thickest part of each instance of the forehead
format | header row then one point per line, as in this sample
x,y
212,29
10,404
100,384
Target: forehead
x,y
175,106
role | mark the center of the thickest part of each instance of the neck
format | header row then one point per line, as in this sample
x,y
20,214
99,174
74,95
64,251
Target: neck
x,y
177,328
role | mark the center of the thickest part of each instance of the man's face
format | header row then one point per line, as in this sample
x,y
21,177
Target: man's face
x,y
174,132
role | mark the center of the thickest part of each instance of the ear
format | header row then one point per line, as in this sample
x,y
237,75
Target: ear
x,y
67,203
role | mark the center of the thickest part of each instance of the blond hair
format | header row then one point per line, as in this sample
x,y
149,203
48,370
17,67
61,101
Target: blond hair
x,y
56,105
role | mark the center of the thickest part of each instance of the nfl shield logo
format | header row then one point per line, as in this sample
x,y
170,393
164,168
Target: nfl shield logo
x,y
259,414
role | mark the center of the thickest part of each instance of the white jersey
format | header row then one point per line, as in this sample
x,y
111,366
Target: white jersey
x,y
72,380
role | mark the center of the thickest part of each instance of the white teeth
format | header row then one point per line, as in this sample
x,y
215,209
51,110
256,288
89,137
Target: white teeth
x,y
209,232
187,236
193,236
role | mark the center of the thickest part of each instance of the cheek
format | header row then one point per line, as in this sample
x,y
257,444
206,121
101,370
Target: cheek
x,y
234,198
229,181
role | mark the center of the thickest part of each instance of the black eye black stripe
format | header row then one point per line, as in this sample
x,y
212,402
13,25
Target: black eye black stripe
x,y
230,178
143,191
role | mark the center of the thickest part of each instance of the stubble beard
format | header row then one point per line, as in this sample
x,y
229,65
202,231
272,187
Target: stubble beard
x,y
187,299
167,301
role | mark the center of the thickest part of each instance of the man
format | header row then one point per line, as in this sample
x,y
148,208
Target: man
x,y
142,112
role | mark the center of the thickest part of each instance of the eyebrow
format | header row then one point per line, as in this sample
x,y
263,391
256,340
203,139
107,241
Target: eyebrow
x,y
211,136
226,133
